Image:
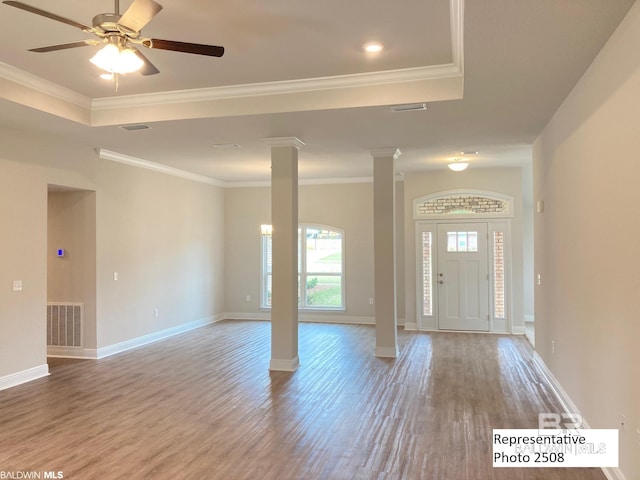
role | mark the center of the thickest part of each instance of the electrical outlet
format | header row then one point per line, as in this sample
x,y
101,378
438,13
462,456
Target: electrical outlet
x,y
156,312
115,276
553,346
248,298
17,285
371,301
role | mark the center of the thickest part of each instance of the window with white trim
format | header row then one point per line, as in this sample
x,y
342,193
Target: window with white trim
x,y
320,268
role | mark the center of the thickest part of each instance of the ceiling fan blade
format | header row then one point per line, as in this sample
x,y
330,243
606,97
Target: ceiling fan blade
x,y
43,13
139,14
148,68
63,46
196,48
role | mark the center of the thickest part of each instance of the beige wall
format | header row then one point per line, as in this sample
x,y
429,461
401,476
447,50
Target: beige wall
x,y
164,235
346,206
586,170
27,165
507,181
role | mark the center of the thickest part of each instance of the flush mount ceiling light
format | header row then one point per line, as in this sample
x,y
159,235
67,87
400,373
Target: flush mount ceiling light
x,y
373,47
458,165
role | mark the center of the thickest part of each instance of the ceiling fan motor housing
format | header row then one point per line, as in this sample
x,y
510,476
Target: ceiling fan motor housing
x,y
106,21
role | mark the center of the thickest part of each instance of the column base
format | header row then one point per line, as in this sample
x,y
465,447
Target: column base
x,y
387,352
282,365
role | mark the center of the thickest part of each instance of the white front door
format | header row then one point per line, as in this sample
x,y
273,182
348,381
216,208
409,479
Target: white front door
x,y
462,278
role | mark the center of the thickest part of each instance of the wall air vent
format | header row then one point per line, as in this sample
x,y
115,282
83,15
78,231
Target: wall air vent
x,y
409,107
64,324
134,127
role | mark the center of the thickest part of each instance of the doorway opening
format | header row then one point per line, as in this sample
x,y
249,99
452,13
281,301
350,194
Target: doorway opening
x,y
71,273
463,261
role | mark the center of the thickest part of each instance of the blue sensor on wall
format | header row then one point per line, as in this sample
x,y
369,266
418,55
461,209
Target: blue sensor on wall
x,y
61,252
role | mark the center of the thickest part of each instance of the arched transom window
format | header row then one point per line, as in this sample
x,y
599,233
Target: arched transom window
x,y
463,204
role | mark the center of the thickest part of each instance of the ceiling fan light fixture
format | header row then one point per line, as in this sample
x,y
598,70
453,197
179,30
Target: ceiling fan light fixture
x,y
114,59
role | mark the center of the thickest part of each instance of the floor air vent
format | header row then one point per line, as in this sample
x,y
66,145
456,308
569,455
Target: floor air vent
x,y
64,324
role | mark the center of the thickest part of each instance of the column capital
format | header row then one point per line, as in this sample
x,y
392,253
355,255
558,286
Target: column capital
x,y
284,142
386,152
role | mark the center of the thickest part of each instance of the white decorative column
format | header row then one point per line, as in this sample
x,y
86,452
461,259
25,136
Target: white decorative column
x,y
384,251
284,219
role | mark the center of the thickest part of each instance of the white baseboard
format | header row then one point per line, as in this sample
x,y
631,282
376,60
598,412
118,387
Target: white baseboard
x,y
261,316
517,330
18,378
310,317
411,326
156,336
72,352
529,318
314,317
570,407
567,404
284,365
613,473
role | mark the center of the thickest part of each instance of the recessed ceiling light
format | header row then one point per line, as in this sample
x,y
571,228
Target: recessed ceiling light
x,y
470,152
373,47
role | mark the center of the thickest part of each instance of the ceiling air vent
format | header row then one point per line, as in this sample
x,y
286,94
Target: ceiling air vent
x,y
226,146
134,127
409,107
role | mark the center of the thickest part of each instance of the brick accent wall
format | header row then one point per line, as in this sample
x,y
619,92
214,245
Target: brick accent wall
x,y
462,204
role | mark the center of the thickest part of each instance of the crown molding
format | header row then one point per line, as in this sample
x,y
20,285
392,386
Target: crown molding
x,y
309,181
176,172
39,84
275,88
157,167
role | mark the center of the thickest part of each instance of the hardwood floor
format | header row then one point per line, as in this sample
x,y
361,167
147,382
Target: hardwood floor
x,y
203,405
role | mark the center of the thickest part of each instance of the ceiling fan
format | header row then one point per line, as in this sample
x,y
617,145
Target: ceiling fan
x,y
120,34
